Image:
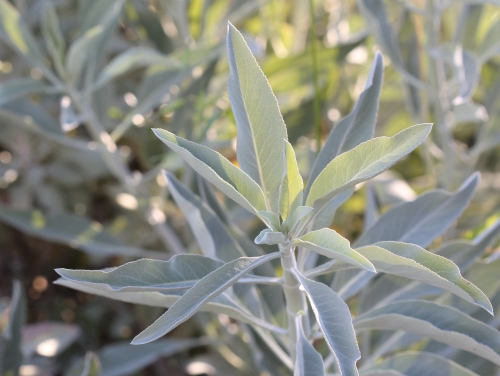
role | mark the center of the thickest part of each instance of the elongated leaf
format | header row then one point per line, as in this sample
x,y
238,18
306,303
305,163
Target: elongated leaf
x,y
78,52
90,365
299,213
233,182
211,234
421,221
358,126
329,243
435,321
363,162
324,217
413,363
261,129
334,319
411,261
269,237
11,356
20,87
206,289
308,361
180,272
53,37
292,186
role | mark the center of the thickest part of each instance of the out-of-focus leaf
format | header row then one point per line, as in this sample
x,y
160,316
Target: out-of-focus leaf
x,y
180,272
48,338
20,87
334,319
53,37
412,363
206,289
232,181
363,162
421,221
261,129
411,261
11,356
211,234
355,128
329,243
90,365
79,51
73,230
292,186
435,321
308,361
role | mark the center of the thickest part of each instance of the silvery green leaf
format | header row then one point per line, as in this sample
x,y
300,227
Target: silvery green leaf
x,y
11,356
329,243
261,129
292,186
421,221
334,319
363,162
270,219
15,32
53,37
202,292
465,252
371,207
270,237
299,213
90,365
19,87
133,58
355,128
232,181
412,363
435,321
34,335
324,217
77,231
79,51
308,361
211,234
411,261
180,272
225,303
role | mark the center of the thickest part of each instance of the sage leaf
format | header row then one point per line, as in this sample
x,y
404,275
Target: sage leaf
x,y
211,234
435,321
180,272
206,289
270,237
364,162
261,129
334,319
53,36
232,181
308,361
292,186
422,220
79,52
355,128
414,262
329,243
412,363
299,213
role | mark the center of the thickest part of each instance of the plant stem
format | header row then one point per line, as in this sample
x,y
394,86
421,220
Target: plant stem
x,y
316,103
295,299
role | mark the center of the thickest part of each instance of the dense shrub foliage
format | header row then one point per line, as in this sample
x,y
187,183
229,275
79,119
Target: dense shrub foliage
x,y
292,219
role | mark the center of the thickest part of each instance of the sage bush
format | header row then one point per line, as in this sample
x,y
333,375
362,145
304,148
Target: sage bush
x,y
244,245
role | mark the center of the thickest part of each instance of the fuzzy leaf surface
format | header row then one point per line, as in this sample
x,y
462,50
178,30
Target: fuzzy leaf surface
x,y
308,361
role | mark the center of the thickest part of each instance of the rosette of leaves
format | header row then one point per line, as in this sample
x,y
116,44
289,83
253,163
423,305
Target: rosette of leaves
x,y
278,299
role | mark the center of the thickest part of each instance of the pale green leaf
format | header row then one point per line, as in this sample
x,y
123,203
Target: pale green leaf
x,y
363,162
206,289
435,321
261,129
299,213
19,87
308,361
270,237
270,219
334,319
413,363
329,243
413,262
232,181
53,37
324,217
35,334
292,186
79,51
211,234
355,128
90,365
180,272
422,220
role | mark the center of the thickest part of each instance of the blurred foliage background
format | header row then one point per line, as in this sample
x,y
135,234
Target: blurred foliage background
x,y
83,82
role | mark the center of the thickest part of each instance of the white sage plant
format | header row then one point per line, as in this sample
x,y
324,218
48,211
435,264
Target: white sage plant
x,y
278,293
